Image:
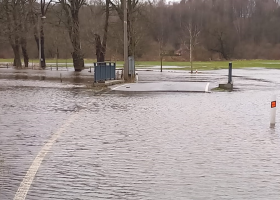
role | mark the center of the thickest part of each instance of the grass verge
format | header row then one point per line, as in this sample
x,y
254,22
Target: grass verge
x,y
210,65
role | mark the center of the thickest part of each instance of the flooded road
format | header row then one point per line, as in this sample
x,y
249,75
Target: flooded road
x,y
142,146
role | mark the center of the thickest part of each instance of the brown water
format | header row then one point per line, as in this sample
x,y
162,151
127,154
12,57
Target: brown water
x,y
140,146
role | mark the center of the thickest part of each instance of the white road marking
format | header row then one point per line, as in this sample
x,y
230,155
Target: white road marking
x,y
119,86
31,173
207,87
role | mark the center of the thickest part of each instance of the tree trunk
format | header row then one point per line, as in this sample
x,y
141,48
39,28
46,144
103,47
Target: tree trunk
x,y
36,37
37,41
191,59
130,36
43,59
77,55
57,53
17,59
23,25
106,25
100,47
78,60
100,56
24,52
222,50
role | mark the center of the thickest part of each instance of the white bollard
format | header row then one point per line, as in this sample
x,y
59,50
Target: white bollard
x,y
273,111
118,74
136,77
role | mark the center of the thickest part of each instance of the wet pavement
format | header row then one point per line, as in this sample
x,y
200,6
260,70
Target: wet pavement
x,y
142,145
163,87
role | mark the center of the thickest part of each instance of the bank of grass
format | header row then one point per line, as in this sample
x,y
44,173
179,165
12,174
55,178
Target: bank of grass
x,y
214,65
209,65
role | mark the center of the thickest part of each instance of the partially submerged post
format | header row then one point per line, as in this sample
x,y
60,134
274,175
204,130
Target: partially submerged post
x,y
230,73
160,63
229,85
273,111
57,62
136,77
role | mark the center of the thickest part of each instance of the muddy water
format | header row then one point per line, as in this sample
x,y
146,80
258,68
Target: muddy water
x,y
139,146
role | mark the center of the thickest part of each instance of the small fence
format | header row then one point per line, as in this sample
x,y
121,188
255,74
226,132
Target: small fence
x,y
104,71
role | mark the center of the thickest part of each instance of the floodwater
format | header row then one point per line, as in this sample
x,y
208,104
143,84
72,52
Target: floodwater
x,y
142,146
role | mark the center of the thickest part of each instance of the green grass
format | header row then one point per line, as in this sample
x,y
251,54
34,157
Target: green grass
x,y
214,65
210,65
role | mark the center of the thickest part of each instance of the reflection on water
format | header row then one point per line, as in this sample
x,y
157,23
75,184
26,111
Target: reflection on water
x,y
77,78
140,146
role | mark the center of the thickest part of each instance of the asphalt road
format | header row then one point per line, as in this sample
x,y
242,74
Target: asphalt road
x,y
163,87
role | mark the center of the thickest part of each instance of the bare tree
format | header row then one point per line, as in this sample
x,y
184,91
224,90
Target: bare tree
x,y
14,19
219,33
100,47
192,40
24,31
38,13
190,26
219,41
132,8
71,9
11,16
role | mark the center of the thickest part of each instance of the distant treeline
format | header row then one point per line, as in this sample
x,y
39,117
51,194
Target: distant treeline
x,y
211,29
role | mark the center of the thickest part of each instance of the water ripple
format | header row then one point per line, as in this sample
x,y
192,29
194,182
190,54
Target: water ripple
x,y
141,146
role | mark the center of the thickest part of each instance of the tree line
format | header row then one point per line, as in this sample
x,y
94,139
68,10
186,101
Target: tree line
x,y
194,29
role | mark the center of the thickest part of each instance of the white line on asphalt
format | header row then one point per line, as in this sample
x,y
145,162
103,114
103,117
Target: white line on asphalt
x,y
119,86
31,173
207,87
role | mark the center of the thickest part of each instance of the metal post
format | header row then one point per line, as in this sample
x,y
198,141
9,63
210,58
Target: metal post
x,y
95,72
110,70
56,62
273,111
115,71
125,40
160,63
230,73
39,38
